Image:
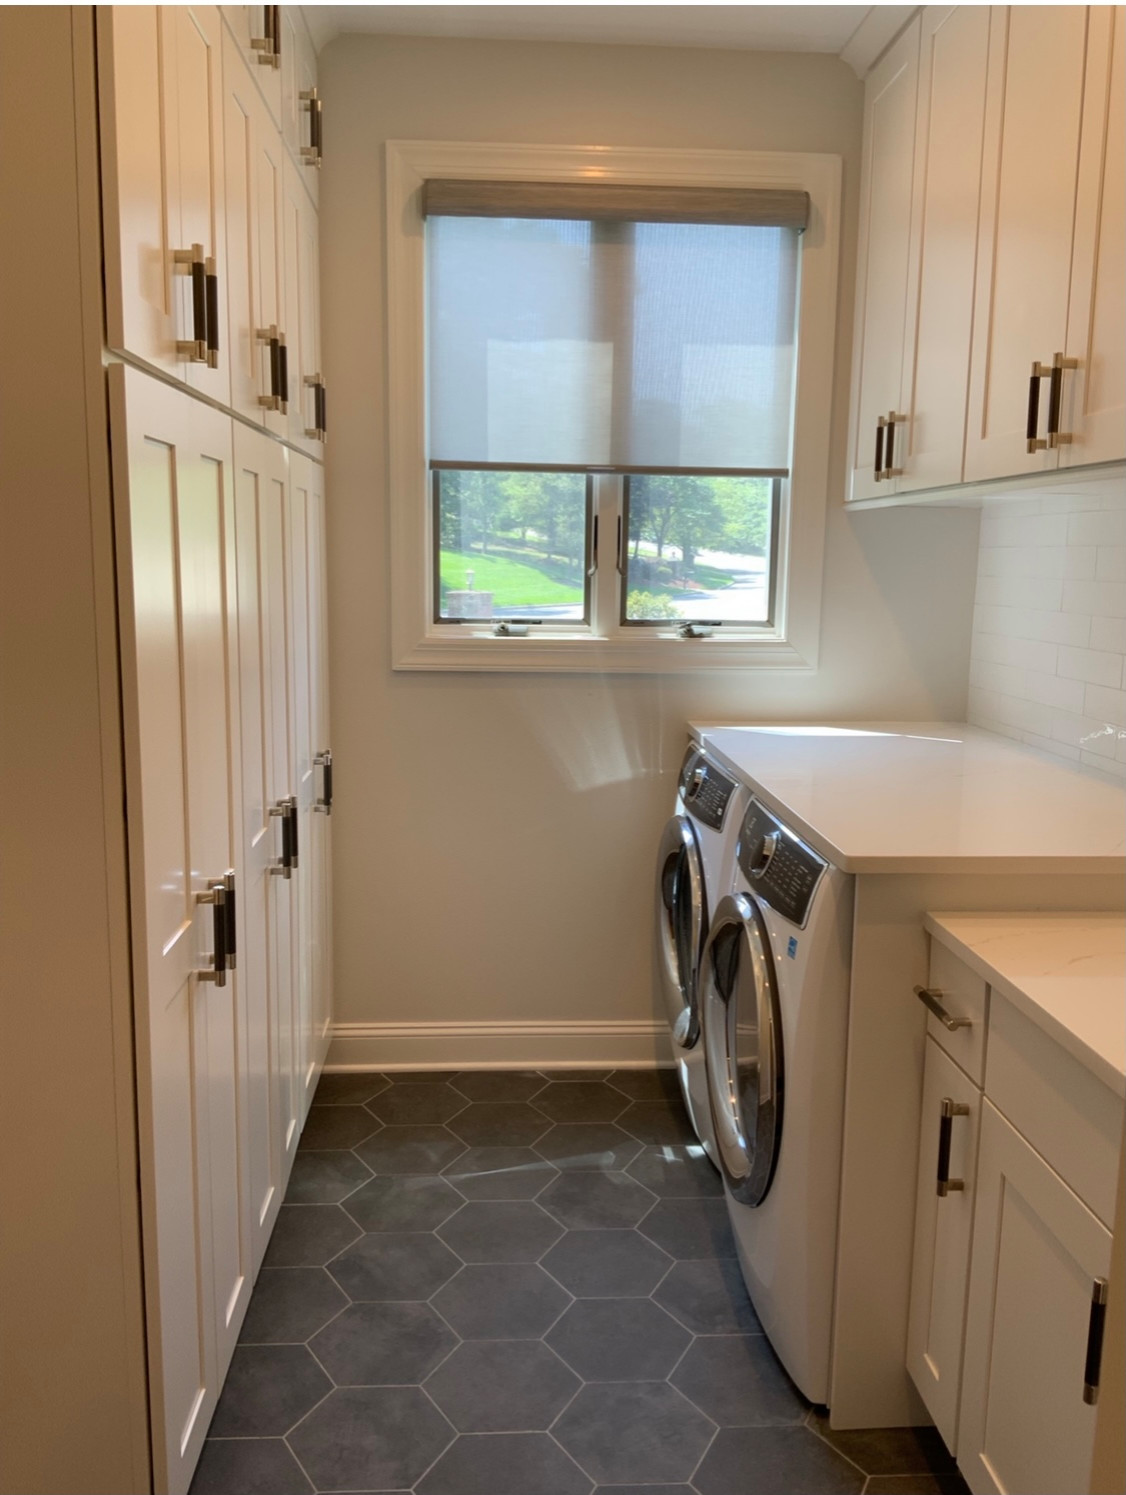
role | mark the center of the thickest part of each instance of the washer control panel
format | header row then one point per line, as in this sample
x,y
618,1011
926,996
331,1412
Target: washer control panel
x,y
705,789
780,869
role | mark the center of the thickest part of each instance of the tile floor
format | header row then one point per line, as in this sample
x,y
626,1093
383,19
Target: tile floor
x,y
494,1283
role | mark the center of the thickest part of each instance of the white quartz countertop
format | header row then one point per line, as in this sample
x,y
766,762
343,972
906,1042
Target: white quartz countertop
x,y
926,797
1067,972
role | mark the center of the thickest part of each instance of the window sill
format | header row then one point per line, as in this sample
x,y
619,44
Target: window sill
x,y
658,653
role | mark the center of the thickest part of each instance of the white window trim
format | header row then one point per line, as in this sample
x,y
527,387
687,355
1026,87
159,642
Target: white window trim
x,y
417,642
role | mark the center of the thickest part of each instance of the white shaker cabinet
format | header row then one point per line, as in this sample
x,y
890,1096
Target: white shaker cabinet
x,y
1046,111
160,97
881,298
1038,1251
300,235
257,31
301,104
172,500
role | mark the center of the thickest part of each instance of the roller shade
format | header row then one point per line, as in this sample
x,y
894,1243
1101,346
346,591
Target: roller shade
x,y
751,207
583,342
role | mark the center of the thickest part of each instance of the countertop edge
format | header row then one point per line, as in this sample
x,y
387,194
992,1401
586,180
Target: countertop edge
x,y
1102,1069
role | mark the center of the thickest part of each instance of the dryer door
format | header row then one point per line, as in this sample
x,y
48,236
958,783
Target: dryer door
x,y
682,922
742,1025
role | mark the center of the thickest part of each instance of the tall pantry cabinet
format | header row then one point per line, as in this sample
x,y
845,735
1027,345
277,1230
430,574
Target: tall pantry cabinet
x,y
210,140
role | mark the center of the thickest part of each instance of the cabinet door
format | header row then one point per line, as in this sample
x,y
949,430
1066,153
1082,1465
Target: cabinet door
x,y
303,748
303,312
885,218
160,90
298,79
1037,1250
248,26
259,491
172,504
254,174
948,136
321,836
1094,406
1033,116
941,1267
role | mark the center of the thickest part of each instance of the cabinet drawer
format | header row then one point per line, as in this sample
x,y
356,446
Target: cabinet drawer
x,y
965,997
1072,1120
941,1266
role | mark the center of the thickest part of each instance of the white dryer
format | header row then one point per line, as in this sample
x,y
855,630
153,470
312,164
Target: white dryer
x,y
774,993
694,868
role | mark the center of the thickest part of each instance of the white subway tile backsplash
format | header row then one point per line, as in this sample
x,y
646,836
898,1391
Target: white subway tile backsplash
x,y
1048,655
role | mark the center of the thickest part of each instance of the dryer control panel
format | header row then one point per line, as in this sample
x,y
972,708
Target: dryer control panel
x,y
780,869
705,789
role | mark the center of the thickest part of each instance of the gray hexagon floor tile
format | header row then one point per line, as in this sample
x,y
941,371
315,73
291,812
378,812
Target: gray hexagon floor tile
x,y
657,1121
417,1105
647,1084
349,1089
328,1127
370,1438
619,1339
690,1229
248,1466
504,1464
408,1267
500,1173
738,1381
588,1147
500,1231
502,1386
268,1388
420,1076
677,1170
498,1084
577,1076
570,1100
596,1201
917,1484
383,1344
501,1302
709,1297
644,1490
640,1432
290,1303
410,1149
499,1124
403,1202
762,1461
606,1264
887,1451
309,1235
325,1177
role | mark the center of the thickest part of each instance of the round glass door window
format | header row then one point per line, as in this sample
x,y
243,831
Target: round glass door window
x,y
681,926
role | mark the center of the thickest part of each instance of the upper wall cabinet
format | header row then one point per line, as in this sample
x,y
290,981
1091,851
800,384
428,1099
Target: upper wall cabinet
x,y
303,315
1009,349
160,90
301,104
257,31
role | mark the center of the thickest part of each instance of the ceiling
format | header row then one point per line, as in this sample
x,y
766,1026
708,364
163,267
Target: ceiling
x,y
769,28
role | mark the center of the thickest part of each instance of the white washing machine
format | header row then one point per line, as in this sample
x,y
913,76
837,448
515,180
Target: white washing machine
x,y
774,990
694,868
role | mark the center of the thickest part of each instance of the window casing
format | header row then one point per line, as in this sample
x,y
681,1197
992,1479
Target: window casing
x,y
588,621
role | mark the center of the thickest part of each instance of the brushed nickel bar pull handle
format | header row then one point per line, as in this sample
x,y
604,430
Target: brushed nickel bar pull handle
x,y
1056,437
878,467
231,920
269,337
324,762
265,45
1034,443
294,859
216,895
931,1001
275,11
1096,1327
311,153
890,469
944,1183
211,280
284,866
191,262
322,414
283,374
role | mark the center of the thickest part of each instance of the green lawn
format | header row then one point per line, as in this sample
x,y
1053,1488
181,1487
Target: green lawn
x,y
512,583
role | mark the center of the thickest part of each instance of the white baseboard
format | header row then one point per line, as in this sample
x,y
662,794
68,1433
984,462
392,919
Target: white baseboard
x,y
543,1045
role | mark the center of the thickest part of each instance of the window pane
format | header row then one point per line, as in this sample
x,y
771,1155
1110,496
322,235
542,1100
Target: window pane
x,y
512,545
699,550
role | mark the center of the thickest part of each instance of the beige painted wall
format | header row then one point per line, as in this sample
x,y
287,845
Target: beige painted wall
x,y
73,1411
495,834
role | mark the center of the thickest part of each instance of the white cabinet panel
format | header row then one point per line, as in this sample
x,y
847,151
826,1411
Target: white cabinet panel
x,y
1094,402
321,831
303,311
160,91
941,1265
172,502
298,81
250,27
1034,111
885,218
1024,1423
303,747
948,140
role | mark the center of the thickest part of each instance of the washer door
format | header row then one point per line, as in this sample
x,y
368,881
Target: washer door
x,y
742,1025
682,921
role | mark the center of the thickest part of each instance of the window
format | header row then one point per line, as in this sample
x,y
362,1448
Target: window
x,y
600,385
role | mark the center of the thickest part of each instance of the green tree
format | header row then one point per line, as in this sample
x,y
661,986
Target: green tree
x,y
746,506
